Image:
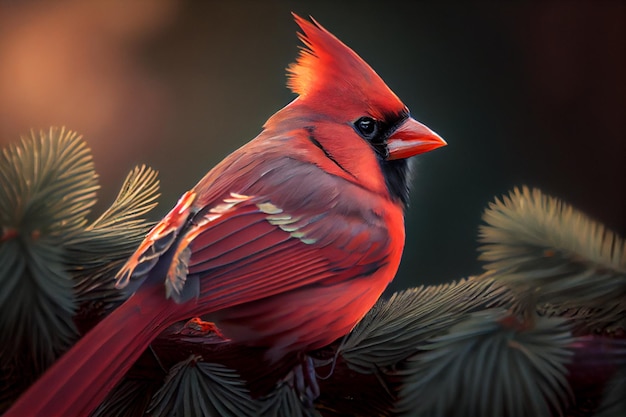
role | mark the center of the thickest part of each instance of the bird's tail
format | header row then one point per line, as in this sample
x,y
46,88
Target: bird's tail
x,y
80,380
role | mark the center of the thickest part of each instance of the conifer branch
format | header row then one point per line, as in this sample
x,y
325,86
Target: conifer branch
x,y
195,388
47,187
55,267
492,366
545,249
100,249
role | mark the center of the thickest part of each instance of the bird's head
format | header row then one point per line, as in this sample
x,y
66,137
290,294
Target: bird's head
x,y
352,114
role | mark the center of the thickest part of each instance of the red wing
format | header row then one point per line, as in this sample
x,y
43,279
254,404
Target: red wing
x,y
258,250
296,225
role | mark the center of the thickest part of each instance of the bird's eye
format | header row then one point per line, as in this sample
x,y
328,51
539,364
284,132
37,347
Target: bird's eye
x,y
367,127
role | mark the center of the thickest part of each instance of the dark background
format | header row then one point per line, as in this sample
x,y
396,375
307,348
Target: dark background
x,y
524,92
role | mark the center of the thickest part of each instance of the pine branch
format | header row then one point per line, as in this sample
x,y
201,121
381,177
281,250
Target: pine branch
x,y
194,388
47,187
545,249
541,333
101,248
391,330
489,366
54,266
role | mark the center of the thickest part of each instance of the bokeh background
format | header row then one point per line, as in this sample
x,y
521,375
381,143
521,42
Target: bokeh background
x,y
524,92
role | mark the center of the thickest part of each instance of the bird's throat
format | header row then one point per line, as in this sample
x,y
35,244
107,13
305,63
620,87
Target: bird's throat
x,y
397,174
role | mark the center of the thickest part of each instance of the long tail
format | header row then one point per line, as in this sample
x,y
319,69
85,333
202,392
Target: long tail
x,y
80,380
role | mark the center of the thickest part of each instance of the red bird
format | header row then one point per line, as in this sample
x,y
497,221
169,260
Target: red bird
x,y
285,244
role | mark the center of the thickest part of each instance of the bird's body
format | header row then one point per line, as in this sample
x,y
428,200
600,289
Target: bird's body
x,y
285,244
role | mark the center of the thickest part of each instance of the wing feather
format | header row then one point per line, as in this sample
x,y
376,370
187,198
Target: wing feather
x,y
250,237
259,259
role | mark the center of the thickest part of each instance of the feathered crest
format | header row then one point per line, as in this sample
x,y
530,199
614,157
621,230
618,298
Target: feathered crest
x,y
327,64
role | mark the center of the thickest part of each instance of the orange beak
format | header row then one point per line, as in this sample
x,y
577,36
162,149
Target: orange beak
x,y
412,138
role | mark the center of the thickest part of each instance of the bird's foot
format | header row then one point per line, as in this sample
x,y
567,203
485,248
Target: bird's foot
x,y
198,327
304,380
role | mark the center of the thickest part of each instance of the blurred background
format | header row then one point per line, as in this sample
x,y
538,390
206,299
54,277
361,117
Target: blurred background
x,y
524,92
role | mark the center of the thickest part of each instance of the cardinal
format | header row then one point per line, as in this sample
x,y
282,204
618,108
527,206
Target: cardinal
x,y
285,244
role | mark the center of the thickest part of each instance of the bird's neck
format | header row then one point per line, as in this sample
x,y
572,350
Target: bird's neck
x,y
397,174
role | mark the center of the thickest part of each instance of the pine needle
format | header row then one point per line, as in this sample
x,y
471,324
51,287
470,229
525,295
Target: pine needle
x,y
196,388
483,367
100,249
393,329
47,187
544,249
285,402
51,261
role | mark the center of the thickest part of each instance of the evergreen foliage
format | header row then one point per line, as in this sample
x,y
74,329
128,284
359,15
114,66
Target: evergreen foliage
x,y
541,333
